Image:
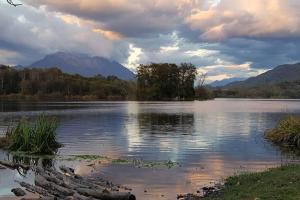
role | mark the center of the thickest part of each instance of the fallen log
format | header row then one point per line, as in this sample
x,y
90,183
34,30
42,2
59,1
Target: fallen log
x,y
106,195
67,170
69,186
52,187
18,192
14,165
65,181
43,198
35,189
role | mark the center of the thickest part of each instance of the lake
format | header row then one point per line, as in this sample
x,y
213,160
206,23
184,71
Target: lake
x,y
209,139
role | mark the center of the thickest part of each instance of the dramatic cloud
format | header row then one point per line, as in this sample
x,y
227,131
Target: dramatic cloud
x,y
242,18
30,33
225,38
132,18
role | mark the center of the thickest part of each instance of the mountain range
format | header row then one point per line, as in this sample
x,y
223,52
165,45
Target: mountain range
x,y
280,74
84,65
223,82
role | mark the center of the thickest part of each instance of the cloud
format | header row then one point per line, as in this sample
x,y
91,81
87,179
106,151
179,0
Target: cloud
x,y
223,70
133,60
242,18
131,18
201,52
217,35
31,33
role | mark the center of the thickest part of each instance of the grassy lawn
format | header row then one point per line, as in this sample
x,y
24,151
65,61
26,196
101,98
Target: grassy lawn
x,y
278,183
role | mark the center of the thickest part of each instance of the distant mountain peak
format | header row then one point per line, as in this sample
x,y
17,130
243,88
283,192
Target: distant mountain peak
x,y
280,74
85,65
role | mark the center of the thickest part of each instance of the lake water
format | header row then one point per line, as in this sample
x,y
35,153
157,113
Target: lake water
x,y
210,139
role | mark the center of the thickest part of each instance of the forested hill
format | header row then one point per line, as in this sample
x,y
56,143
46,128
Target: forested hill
x,y
280,74
84,65
52,83
281,82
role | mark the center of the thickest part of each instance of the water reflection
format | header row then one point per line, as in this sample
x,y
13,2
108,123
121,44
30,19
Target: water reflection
x,y
211,139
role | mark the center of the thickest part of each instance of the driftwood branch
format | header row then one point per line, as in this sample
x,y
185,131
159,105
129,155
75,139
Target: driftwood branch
x,y
14,165
66,184
12,3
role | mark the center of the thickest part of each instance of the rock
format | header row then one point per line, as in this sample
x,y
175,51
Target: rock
x,y
18,192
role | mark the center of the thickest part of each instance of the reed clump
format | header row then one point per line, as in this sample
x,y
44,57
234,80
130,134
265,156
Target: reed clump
x,y
286,133
38,137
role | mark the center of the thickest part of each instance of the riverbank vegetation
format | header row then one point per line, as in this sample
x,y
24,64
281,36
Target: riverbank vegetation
x,y
277,183
38,137
286,133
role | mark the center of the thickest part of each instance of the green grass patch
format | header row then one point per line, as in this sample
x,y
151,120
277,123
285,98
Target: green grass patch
x,y
286,133
38,137
277,183
147,164
121,161
85,157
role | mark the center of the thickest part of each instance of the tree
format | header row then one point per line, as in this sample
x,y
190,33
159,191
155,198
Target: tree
x,y
202,93
187,76
166,81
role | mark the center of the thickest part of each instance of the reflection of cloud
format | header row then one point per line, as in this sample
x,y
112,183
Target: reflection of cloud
x,y
132,128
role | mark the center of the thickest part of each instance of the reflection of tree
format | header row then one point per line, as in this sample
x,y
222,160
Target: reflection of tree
x,y
45,162
161,123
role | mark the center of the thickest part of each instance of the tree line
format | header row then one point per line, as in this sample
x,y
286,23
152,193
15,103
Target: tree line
x,y
156,81
280,90
53,83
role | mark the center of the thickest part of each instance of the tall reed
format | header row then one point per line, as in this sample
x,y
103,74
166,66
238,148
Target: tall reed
x,y
38,137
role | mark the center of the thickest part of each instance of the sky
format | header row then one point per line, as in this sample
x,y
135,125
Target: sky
x,y
223,38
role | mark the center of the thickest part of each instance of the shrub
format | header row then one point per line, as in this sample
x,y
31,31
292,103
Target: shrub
x,y
286,133
38,137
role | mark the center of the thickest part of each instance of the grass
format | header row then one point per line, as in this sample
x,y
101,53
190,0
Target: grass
x,y
286,133
120,161
38,137
274,184
86,157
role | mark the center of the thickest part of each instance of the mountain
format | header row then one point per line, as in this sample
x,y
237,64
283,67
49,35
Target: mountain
x,y
84,65
221,83
280,74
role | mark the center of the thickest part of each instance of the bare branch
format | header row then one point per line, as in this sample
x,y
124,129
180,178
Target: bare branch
x,y
202,79
12,3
